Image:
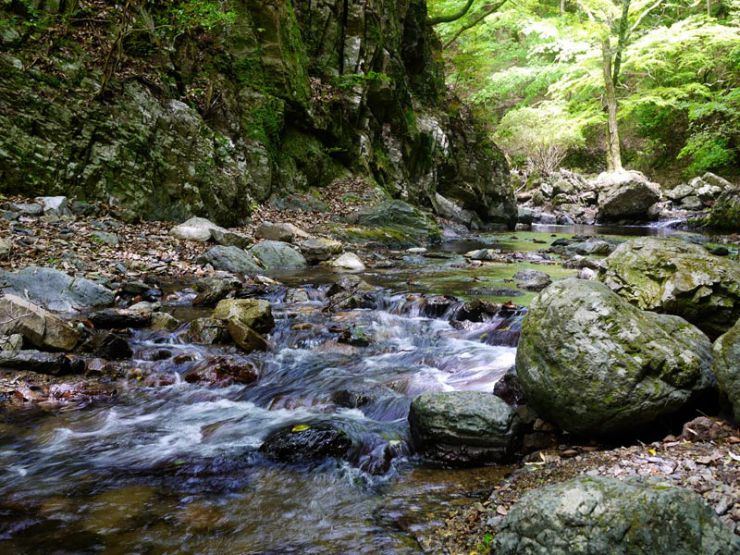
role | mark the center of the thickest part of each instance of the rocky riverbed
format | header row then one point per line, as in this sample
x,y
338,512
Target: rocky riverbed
x,y
307,383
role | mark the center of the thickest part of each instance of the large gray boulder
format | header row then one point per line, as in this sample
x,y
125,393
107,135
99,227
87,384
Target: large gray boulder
x,y
599,515
277,256
40,328
56,290
726,367
625,195
594,364
676,277
463,427
230,259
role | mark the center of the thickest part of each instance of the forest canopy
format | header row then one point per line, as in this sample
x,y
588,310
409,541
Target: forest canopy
x,y
534,71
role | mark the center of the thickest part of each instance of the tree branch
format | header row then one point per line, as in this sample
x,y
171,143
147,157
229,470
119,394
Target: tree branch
x,y
643,15
488,11
452,17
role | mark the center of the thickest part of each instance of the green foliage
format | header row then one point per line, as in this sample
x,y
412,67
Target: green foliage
x,y
205,14
677,99
541,135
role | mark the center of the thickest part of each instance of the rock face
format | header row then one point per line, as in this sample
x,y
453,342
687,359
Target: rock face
x,y
278,256
37,326
596,515
676,277
308,92
626,195
56,290
463,427
726,367
592,363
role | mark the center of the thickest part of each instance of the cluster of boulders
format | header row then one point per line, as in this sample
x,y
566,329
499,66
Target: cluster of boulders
x,y
566,197
276,247
610,357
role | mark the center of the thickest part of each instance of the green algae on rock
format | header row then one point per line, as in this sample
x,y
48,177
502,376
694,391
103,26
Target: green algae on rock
x,y
676,277
593,363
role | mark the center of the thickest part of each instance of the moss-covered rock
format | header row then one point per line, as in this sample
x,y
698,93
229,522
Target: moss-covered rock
x,y
726,367
725,214
676,277
281,96
463,427
595,515
411,224
593,363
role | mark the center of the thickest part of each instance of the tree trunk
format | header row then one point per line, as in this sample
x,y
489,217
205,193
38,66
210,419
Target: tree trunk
x,y
562,6
613,153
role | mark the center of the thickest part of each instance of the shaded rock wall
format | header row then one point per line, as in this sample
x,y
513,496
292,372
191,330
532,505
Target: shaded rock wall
x,y
283,97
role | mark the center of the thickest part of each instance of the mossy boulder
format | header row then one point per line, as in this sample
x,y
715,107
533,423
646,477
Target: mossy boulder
x,y
257,314
463,427
411,224
625,195
594,364
676,277
597,515
725,214
726,367
247,320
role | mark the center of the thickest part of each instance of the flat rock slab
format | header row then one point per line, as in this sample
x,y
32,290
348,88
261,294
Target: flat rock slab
x,y
55,290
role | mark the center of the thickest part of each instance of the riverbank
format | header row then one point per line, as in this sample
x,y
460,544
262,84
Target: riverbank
x,y
177,418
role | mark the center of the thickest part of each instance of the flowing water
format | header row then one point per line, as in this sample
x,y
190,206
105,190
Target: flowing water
x,y
176,468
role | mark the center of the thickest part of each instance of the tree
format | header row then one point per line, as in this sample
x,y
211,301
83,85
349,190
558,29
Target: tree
x,y
613,24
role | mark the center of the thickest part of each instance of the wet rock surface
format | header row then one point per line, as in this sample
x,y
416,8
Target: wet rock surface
x,y
306,443
460,428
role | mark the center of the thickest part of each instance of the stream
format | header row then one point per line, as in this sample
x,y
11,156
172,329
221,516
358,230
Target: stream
x,y
177,468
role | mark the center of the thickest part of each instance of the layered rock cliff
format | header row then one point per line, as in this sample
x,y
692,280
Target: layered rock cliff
x,y
197,107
